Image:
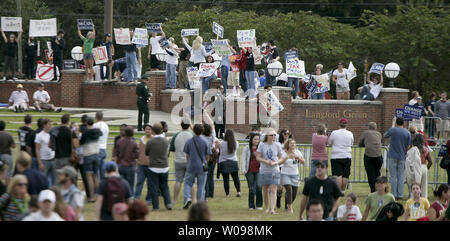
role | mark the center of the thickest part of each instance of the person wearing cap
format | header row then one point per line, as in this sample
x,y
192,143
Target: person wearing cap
x,y
110,51
36,180
104,206
180,162
67,178
378,199
41,100
143,98
120,212
342,84
11,53
19,99
400,142
47,202
341,153
172,62
324,188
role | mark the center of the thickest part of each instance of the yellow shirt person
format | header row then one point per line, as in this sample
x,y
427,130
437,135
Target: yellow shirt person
x,y
416,209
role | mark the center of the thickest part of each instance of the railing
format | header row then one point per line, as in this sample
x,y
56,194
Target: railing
x,y
433,127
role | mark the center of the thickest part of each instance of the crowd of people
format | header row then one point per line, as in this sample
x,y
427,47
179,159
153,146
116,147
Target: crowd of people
x,y
42,182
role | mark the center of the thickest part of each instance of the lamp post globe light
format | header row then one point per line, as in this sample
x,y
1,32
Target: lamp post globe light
x,y
162,57
77,54
275,69
392,70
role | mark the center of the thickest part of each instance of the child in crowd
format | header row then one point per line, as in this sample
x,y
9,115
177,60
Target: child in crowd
x,y
349,211
416,207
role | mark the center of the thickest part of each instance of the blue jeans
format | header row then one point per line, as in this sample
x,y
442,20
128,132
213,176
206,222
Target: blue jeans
x,y
318,96
142,173
171,76
101,168
293,81
159,181
397,177
35,164
189,180
269,79
254,189
128,174
312,168
250,77
210,180
205,82
131,72
50,171
224,76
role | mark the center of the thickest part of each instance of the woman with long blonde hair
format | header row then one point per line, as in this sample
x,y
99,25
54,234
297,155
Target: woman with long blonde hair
x,y
88,57
198,51
14,202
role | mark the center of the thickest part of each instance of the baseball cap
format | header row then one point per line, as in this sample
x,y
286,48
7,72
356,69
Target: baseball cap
x,y
110,166
69,171
119,208
145,77
41,84
322,162
185,121
19,86
47,195
107,35
343,120
419,97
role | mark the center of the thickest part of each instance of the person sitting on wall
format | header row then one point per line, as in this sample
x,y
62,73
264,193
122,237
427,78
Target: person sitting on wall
x,y
371,90
19,99
41,100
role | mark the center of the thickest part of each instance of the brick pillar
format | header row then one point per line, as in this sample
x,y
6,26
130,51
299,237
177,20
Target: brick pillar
x,y
156,84
392,99
71,87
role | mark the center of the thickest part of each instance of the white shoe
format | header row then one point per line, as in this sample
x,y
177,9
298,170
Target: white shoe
x,y
260,208
4,78
14,78
251,209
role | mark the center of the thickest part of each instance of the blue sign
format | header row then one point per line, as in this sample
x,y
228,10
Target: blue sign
x,y
153,27
399,114
217,29
163,43
412,112
376,68
208,46
85,24
189,32
291,55
443,151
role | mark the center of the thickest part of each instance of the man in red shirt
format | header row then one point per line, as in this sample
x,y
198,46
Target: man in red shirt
x,y
242,64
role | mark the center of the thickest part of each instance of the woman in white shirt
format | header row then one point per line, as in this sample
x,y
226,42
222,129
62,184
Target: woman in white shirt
x,y
228,162
172,62
290,159
342,86
154,48
198,51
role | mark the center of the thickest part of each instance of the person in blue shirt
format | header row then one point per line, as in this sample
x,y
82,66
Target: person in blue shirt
x,y
262,78
400,142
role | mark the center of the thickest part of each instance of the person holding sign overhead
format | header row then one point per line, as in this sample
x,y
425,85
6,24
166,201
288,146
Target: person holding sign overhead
x,y
198,51
154,48
340,78
10,54
88,57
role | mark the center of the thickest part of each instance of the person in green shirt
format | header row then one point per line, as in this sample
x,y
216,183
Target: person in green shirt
x,y
88,57
378,199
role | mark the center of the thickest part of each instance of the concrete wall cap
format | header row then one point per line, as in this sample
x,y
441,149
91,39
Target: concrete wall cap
x,y
394,90
337,102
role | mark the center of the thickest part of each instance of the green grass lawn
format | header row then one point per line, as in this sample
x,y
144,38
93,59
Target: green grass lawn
x,y
234,208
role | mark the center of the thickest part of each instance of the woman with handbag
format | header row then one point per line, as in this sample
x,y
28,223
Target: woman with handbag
x,y
228,162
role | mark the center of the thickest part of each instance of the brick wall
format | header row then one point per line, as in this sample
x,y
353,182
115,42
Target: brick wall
x,y
392,99
156,84
71,84
53,89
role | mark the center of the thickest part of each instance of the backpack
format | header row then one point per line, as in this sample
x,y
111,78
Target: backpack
x,y
114,193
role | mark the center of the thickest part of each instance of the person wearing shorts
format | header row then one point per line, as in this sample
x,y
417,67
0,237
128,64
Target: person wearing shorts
x,y
88,57
268,154
342,86
341,153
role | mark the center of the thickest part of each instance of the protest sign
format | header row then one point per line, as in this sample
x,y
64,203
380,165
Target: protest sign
x,y
271,103
11,24
140,37
164,43
295,68
100,55
291,55
43,28
153,27
399,113
412,112
85,24
189,32
351,72
234,64
257,56
246,38
194,81
208,46
376,68
44,72
206,70
217,29
69,64
323,83
122,36
221,47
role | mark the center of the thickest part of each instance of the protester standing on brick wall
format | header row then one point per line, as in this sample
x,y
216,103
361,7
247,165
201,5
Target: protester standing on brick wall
x,y
198,51
11,54
225,66
110,51
30,58
88,57
153,49
342,84
58,47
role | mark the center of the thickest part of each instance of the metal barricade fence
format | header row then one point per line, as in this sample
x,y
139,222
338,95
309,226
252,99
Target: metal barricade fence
x,y
434,127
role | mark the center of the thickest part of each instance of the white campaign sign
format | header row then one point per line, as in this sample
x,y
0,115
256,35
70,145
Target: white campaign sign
x,y
257,54
221,47
140,36
122,36
100,55
246,38
351,72
194,82
206,70
43,28
295,68
11,24
271,103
